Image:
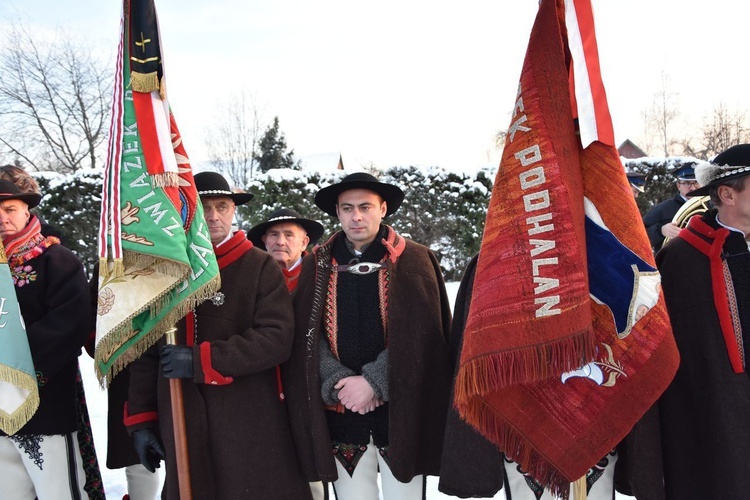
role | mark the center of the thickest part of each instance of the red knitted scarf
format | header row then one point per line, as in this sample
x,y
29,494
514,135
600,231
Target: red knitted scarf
x,y
28,243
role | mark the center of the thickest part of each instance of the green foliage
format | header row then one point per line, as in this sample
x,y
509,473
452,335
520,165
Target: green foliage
x,y
272,151
71,205
442,210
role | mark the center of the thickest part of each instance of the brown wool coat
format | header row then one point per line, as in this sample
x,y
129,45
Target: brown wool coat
x,y
419,372
239,439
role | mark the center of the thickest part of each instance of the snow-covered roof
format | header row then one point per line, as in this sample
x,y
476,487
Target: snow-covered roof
x,y
324,162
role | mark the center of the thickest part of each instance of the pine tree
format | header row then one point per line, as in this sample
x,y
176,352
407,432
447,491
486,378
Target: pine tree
x,y
272,151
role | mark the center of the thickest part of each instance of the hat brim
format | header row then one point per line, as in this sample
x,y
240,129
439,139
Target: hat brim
x,y
313,229
237,198
327,198
31,199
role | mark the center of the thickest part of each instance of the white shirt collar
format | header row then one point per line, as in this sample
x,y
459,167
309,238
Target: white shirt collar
x,y
296,263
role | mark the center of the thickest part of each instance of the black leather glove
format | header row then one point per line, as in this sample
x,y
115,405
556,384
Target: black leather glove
x,y
149,448
176,361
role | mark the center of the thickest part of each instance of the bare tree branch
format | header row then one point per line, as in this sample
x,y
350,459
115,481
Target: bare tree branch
x,y
54,101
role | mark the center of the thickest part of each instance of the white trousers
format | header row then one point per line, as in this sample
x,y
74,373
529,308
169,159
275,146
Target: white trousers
x,y
43,467
142,484
318,489
363,484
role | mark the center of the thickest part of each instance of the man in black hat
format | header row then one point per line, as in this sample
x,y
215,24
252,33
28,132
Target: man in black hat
x,y
286,235
42,459
239,440
369,374
658,220
705,274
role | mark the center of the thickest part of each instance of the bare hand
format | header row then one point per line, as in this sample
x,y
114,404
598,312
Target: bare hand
x,y
670,230
356,394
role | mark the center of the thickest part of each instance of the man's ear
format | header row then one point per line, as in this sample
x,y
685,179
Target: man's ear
x,y
726,195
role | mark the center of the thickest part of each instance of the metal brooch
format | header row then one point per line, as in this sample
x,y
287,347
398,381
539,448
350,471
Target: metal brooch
x,y
364,268
218,299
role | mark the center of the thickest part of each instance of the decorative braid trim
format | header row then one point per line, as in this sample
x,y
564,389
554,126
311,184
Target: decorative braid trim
x,y
734,312
330,314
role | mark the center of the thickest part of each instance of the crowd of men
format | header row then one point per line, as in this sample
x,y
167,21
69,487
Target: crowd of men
x,y
335,365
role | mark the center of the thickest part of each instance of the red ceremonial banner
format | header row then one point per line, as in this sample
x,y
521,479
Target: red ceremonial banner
x,y
567,341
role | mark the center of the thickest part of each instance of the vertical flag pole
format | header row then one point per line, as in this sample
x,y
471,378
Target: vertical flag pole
x,y
178,424
579,489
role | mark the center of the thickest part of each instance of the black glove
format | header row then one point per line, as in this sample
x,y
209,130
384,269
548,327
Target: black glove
x,y
148,446
176,361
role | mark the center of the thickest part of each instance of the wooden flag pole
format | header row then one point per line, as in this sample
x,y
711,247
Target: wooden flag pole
x,y
579,489
178,424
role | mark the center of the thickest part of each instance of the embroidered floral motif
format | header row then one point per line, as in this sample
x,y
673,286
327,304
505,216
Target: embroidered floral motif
x,y
105,301
41,380
348,455
31,445
23,275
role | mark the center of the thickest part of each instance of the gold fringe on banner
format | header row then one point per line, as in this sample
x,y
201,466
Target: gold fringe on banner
x,y
116,339
12,423
167,179
144,82
579,489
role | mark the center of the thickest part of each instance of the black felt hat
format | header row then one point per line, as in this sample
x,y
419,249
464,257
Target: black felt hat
x,y
729,164
212,185
313,228
328,197
9,191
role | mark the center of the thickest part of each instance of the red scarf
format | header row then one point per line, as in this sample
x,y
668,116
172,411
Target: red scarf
x,y
232,249
27,243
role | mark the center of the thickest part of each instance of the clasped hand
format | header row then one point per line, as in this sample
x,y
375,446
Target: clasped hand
x,y
357,395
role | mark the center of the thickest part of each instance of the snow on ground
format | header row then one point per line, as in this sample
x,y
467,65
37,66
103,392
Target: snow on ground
x,y
114,480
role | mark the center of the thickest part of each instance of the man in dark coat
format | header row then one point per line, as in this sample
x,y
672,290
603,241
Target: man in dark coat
x,y
658,220
286,236
238,435
42,459
703,415
369,377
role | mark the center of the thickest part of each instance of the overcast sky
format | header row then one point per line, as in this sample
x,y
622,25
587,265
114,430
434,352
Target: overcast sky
x,y
411,81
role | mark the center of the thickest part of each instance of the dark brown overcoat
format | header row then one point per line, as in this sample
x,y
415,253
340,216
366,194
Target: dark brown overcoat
x,y
239,439
419,371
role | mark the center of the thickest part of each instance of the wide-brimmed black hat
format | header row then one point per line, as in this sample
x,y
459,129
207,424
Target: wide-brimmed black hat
x,y
328,197
313,228
729,164
9,191
212,184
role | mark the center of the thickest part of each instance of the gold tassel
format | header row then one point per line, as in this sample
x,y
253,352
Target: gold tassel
x,y
144,82
579,489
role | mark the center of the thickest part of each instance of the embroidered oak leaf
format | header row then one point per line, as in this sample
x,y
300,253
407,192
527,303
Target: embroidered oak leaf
x,y
105,301
137,239
146,271
129,214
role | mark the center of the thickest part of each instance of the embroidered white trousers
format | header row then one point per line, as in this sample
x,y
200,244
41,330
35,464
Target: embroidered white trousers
x,y
43,467
363,484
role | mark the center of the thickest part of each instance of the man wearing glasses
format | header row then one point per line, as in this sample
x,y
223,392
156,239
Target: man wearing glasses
x,y
658,220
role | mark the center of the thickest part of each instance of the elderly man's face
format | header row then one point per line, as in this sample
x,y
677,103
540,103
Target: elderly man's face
x,y
14,215
360,212
285,242
219,213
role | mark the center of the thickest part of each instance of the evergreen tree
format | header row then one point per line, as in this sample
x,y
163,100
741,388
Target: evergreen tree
x,y
272,151
72,204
